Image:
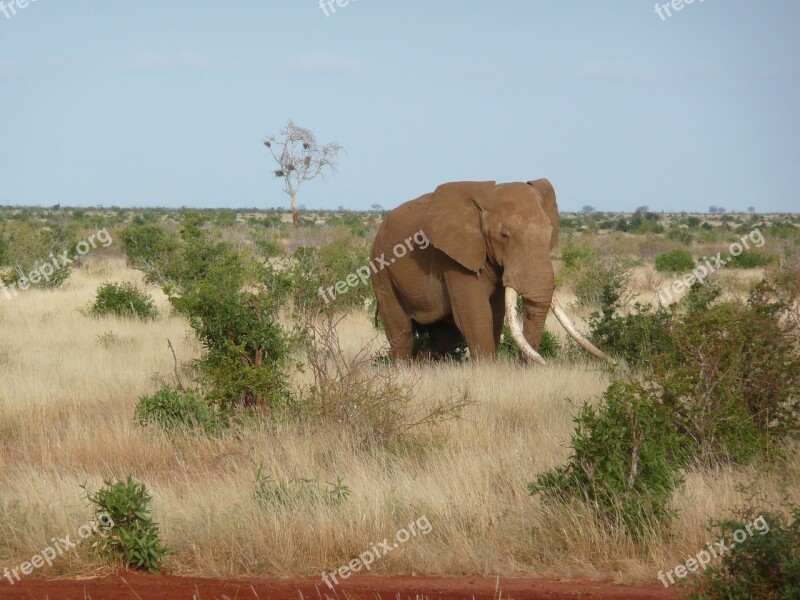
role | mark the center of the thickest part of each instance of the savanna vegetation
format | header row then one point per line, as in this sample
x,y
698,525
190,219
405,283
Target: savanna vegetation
x,y
192,375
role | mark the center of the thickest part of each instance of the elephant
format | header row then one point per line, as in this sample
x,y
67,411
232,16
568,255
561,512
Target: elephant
x,y
485,243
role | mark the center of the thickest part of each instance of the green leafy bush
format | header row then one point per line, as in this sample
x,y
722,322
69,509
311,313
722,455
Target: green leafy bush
x,y
548,348
635,336
123,300
763,566
147,246
621,463
750,259
594,277
333,263
574,257
728,372
133,539
270,492
232,304
173,409
268,248
675,261
33,248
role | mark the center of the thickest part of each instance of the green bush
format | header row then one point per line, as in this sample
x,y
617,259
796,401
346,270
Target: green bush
x,y
147,246
231,302
173,409
268,248
574,257
548,348
31,247
635,336
4,250
314,268
750,259
270,493
764,566
728,372
621,464
675,261
594,277
133,539
123,300
678,234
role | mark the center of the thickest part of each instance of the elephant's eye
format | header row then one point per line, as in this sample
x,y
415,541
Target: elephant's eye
x,y
504,233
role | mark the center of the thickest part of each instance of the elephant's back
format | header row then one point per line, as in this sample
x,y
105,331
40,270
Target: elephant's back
x,y
400,223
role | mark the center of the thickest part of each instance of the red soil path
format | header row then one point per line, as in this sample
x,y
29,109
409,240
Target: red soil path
x,y
130,586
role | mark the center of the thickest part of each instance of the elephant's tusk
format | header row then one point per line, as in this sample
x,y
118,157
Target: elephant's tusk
x,y
576,335
516,330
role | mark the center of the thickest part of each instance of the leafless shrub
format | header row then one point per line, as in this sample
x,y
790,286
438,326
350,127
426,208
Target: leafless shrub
x,y
377,403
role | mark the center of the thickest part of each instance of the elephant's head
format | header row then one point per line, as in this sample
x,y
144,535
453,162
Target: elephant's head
x,y
513,226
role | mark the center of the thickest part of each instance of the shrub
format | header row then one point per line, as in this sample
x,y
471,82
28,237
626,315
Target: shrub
x,y
750,259
681,235
133,539
595,277
675,261
764,566
732,379
621,464
314,268
147,246
123,300
268,248
232,305
728,372
31,247
173,409
548,348
636,336
374,403
270,493
574,257
4,250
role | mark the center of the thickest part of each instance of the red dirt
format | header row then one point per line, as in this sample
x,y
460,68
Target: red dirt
x,y
130,586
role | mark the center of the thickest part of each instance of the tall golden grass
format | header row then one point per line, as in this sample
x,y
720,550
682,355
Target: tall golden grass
x,y
67,395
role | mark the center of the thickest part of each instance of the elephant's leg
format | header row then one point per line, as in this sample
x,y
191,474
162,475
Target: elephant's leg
x,y
498,304
397,324
472,313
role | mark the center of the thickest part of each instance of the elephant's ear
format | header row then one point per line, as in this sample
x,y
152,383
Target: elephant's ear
x,y
453,221
548,196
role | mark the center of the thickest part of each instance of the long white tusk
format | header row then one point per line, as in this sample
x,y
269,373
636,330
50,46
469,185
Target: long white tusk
x,y
516,330
576,335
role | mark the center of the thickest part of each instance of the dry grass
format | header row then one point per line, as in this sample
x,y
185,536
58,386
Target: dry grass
x,y
66,406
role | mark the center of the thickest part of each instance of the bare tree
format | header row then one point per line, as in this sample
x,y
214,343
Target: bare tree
x,y
299,159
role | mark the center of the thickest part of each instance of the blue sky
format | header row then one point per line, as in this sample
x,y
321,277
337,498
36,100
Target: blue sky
x,y
165,103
